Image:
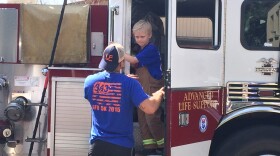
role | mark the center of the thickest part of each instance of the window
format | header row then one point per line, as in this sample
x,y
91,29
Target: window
x,y
260,24
196,28
8,34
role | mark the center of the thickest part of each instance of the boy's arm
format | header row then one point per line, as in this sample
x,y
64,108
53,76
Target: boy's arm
x,y
151,105
130,59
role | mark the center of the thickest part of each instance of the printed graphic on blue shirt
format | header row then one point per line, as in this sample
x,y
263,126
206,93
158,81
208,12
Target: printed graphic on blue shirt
x,y
107,97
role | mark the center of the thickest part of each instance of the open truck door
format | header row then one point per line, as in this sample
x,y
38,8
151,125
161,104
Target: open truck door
x,y
195,75
119,27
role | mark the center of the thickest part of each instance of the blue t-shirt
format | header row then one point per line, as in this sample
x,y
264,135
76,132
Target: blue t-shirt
x,y
149,57
112,97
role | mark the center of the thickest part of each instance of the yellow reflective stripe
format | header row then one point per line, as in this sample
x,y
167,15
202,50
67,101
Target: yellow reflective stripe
x,y
149,141
161,141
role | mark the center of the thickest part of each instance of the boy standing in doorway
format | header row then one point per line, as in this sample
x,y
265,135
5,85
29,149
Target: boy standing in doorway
x,y
148,69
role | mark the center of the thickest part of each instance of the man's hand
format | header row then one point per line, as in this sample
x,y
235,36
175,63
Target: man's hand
x,y
133,76
151,104
160,92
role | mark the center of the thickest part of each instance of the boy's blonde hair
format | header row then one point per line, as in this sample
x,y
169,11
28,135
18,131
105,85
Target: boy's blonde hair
x,y
143,26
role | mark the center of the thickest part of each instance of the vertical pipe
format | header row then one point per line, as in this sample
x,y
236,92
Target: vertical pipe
x,y
46,80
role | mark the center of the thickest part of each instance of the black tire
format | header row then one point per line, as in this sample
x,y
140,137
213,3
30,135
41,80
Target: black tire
x,y
254,141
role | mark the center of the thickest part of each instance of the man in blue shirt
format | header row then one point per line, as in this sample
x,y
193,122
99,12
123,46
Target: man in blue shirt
x,y
112,97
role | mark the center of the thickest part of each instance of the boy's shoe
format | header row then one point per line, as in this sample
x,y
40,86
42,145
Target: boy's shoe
x,y
149,152
160,151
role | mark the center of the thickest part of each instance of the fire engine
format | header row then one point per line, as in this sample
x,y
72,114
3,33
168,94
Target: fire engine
x,y
220,63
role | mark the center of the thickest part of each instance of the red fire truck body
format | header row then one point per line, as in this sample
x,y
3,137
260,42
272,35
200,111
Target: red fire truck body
x,y
220,64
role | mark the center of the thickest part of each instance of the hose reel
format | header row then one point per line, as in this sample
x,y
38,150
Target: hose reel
x,y
15,111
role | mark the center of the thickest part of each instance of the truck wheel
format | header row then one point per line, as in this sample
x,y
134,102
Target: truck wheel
x,y
254,141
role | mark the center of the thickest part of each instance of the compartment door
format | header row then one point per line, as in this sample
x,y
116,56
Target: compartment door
x,y
70,118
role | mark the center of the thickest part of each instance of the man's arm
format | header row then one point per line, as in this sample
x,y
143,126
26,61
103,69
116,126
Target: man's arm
x,y
150,105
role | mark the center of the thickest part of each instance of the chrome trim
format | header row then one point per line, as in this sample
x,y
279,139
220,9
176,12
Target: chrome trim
x,y
249,110
183,119
113,11
241,94
256,98
3,82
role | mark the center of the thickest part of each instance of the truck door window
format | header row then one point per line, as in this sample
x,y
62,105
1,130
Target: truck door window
x,y
8,34
196,28
260,24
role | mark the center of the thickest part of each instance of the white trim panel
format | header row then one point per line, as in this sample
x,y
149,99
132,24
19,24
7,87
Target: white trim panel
x,y
195,149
